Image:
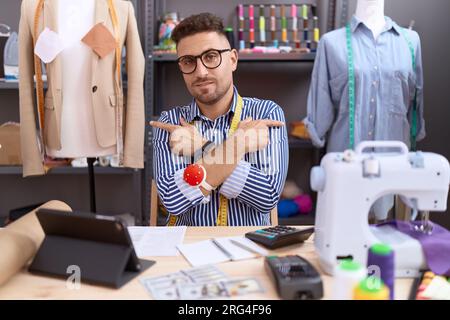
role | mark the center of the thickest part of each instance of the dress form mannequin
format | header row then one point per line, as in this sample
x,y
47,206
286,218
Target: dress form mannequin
x,y
371,12
78,137
387,100
84,111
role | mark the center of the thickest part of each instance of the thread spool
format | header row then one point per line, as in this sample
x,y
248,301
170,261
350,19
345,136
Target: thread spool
x,y
241,45
316,35
241,35
284,37
262,25
240,10
287,208
305,24
381,256
305,11
347,275
371,288
252,38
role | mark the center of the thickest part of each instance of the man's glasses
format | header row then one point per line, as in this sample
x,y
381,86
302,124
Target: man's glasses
x,y
211,59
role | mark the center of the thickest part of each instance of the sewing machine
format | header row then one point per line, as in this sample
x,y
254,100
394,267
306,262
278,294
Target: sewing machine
x,y
349,183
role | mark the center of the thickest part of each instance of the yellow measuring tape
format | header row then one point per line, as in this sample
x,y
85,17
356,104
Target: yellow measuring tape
x,y
116,26
222,215
38,69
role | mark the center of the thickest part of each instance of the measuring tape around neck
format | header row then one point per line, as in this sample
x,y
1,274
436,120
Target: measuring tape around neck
x,y
351,89
222,215
38,70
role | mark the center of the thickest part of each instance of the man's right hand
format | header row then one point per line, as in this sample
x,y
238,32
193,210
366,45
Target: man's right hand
x,y
254,134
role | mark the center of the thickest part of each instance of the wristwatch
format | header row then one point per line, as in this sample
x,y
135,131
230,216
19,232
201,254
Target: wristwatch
x,y
195,175
200,152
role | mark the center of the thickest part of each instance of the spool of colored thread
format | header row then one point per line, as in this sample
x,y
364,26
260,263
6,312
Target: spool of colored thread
x,y
294,17
273,26
262,25
347,275
305,11
241,45
316,29
240,9
283,24
241,35
251,15
306,35
230,36
371,288
305,24
382,256
427,278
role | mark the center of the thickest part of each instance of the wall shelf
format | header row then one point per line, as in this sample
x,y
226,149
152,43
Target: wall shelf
x,y
17,170
249,57
6,85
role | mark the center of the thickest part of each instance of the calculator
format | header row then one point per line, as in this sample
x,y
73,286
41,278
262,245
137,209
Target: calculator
x,y
279,236
294,277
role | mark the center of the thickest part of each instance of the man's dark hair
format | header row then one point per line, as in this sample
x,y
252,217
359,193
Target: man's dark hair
x,y
203,22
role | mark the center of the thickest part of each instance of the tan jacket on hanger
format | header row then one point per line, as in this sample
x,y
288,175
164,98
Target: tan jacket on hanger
x,y
104,96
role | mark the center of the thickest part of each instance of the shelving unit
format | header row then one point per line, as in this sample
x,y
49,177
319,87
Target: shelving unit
x,y
250,57
17,170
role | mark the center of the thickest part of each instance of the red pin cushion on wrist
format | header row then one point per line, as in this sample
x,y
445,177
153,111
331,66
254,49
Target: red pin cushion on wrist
x,y
194,174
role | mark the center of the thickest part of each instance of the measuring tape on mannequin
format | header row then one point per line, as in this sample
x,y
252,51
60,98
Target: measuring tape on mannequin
x,y
40,83
222,215
351,90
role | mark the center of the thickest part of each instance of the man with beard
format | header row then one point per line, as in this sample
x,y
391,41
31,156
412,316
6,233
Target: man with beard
x,y
223,159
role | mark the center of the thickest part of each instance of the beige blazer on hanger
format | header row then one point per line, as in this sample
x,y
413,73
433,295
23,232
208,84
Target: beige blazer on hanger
x,y
104,96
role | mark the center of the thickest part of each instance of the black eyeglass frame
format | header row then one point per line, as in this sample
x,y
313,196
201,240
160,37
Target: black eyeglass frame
x,y
195,58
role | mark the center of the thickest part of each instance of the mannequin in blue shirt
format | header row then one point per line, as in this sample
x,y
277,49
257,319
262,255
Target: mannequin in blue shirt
x,y
385,86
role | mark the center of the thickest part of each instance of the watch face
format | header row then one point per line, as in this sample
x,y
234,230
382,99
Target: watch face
x,y
194,174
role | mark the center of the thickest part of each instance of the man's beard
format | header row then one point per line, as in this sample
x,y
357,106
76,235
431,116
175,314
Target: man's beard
x,y
213,97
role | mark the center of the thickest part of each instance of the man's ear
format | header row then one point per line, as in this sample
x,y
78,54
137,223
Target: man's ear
x,y
234,56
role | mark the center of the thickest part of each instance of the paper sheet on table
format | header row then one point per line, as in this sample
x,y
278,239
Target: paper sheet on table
x,y
206,252
156,241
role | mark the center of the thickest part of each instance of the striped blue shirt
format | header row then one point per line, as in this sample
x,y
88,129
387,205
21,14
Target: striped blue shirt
x,y
254,187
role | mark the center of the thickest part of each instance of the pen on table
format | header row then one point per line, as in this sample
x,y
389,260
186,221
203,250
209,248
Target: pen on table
x,y
243,246
221,248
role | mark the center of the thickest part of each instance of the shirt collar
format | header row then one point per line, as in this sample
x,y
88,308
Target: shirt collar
x,y
390,24
196,113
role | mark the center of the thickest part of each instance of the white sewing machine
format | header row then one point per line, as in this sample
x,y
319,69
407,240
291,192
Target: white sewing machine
x,y
349,183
